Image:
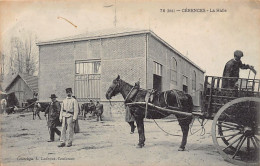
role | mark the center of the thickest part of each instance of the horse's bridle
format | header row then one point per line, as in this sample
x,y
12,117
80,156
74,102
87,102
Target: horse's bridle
x,y
117,84
113,89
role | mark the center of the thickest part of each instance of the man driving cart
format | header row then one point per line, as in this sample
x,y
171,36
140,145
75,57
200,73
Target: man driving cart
x,y
232,70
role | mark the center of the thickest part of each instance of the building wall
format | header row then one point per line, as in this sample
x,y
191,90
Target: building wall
x,y
22,90
56,70
160,53
124,56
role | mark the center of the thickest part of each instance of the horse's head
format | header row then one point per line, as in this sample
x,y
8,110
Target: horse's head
x,y
114,89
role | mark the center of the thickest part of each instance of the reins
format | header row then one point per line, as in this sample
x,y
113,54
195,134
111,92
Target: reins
x,y
202,124
166,131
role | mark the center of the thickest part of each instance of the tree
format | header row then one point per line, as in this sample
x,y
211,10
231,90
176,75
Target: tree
x,y
23,55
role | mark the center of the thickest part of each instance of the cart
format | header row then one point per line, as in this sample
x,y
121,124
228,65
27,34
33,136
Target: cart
x,y
235,113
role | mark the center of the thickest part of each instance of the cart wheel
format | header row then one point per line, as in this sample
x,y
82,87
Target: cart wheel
x,y
235,131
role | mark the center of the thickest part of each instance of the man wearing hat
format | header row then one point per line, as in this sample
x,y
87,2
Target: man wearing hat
x,y
232,70
53,111
68,115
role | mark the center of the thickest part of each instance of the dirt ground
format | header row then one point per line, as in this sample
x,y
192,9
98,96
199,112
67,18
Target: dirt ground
x,y
24,142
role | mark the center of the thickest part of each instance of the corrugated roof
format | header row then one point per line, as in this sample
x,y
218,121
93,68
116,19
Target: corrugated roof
x,y
108,33
31,81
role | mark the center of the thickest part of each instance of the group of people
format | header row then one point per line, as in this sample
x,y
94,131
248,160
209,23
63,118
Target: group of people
x,y
66,115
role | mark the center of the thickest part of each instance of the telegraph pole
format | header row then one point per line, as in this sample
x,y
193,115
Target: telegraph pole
x,y
107,6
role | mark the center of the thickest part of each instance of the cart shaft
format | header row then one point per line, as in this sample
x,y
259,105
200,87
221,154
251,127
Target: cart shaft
x,y
173,110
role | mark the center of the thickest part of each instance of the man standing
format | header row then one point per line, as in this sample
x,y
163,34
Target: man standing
x,y
232,70
99,111
68,115
129,118
53,111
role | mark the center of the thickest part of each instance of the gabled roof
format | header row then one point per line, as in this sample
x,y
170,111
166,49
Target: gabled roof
x,y
31,81
109,33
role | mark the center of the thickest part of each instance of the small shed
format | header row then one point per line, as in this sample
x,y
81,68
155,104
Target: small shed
x,y
24,86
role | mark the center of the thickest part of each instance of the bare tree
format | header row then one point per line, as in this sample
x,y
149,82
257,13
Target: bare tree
x,y
22,56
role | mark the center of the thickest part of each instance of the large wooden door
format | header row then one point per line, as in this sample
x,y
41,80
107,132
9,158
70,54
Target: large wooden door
x,y
87,86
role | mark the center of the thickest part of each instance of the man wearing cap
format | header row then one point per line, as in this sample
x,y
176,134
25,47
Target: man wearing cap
x,y
68,115
232,70
53,111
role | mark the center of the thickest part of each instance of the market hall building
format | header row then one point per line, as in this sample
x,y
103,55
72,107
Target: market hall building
x,y
88,63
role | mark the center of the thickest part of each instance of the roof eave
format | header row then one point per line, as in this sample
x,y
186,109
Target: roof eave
x,y
117,35
91,38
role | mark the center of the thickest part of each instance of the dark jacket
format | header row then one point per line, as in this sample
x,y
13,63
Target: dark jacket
x,y
53,111
128,116
232,70
99,108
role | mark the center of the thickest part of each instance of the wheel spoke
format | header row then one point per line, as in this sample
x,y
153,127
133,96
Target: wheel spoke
x,y
231,137
248,146
254,143
257,139
228,115
223,136
239,146
229,123
231,127
233,143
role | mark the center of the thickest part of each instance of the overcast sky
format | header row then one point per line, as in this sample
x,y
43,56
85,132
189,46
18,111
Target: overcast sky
x,y
207,38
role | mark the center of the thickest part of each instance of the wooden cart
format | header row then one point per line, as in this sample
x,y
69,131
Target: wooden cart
x,y
235,113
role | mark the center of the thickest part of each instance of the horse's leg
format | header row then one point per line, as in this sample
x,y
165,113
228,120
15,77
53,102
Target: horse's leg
x,y
33,113
140,127
84,113
185,131
38,113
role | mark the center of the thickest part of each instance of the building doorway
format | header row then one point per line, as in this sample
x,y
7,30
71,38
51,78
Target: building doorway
x,y
157,82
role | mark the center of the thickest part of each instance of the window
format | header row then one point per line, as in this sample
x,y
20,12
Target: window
x,y
157,69
194,81
88,67
173,69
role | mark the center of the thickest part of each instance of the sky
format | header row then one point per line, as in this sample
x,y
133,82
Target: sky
x,y
209,39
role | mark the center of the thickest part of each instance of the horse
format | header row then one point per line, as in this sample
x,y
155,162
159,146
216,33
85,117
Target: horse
x,y
87,108
171,98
